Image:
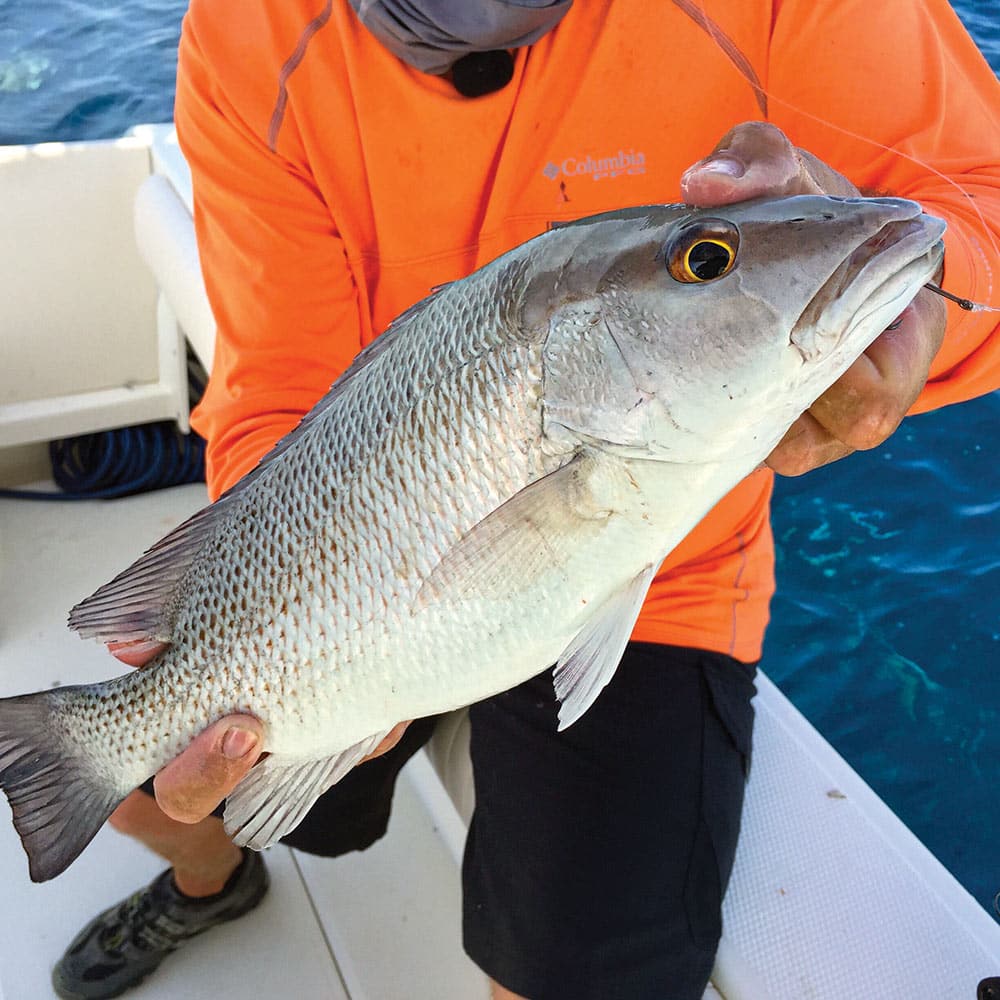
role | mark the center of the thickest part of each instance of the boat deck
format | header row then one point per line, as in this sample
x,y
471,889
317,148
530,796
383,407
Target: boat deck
x,y
381,925
832,897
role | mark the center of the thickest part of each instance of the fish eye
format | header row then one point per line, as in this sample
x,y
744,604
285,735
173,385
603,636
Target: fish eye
x,y
702,251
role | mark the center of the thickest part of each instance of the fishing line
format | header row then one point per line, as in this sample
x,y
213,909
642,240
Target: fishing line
x,y
746,70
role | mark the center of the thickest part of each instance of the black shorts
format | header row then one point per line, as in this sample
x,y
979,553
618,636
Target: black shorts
x,y
597,858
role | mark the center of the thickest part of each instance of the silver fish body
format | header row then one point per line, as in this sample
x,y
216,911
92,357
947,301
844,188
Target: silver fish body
x,y
486,492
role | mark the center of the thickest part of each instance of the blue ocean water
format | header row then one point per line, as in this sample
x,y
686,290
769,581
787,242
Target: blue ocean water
x,y
886,629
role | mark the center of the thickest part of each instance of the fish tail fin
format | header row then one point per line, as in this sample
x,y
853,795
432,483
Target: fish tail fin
x,y
56,794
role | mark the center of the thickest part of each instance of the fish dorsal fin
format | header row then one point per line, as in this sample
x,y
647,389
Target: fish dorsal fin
x,y
592,658
277,793
536,531
138,603
367,356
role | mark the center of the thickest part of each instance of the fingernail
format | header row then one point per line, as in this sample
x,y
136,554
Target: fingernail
x,y
238,743
724,165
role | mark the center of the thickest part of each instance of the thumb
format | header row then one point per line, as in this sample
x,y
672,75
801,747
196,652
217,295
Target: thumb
x,y
217,759
756,159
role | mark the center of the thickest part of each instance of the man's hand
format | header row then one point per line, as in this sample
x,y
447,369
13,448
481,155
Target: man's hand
x,y
754,160
215,762
211,766
868,402
217,759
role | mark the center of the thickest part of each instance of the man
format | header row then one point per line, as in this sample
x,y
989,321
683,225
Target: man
x,y
345,161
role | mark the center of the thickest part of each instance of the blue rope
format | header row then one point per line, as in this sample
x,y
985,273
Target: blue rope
x,y
121,462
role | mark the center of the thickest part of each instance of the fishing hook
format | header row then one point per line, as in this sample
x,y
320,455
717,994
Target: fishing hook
x,y
967,304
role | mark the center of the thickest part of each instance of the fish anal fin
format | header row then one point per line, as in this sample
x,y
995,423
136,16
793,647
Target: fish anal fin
x,y
277,793
592,658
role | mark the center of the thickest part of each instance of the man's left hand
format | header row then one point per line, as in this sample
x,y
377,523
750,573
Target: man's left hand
x,y
870,399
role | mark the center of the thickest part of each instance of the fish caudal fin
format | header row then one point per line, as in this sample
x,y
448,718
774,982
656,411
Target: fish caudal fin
x,y
58,800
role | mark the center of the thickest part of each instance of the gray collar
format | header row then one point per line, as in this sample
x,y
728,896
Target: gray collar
x,y
431,35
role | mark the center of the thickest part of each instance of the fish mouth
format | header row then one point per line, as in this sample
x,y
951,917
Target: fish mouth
x,y
871,287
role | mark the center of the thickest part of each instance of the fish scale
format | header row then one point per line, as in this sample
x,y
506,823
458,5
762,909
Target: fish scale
x,y
486,492
369,559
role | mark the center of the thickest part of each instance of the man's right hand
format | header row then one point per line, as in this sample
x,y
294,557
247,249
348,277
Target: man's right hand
x,y
211,766
217,759
215,762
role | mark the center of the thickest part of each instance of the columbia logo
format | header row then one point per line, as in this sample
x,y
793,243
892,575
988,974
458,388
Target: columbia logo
x,y
600,168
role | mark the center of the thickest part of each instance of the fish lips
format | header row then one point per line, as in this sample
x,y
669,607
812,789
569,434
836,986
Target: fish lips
x,y
873,284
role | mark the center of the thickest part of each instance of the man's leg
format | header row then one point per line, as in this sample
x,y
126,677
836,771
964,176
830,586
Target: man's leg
x,y
210,879
201,854
598,857
500,993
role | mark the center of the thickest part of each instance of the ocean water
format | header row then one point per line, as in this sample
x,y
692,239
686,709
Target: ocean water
x,y
886,626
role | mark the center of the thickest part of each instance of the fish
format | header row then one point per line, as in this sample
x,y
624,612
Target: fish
x,y
486,492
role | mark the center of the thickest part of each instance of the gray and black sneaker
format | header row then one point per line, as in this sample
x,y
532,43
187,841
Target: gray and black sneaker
x,y
125,943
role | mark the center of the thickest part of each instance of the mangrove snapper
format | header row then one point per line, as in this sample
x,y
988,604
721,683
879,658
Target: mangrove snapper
x,y
487,491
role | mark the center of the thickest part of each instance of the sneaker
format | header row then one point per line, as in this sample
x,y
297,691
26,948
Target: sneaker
x,y
125,943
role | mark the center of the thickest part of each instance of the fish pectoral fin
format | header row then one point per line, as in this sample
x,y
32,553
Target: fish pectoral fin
x,y
278,792
536,531
592,658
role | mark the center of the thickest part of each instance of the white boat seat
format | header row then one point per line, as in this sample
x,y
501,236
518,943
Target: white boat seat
x,y
164,233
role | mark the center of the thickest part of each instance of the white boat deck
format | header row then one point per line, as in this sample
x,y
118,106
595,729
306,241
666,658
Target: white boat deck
x,y
832,897
380,925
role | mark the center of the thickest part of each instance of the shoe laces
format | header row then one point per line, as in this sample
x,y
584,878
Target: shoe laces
x,y
141,922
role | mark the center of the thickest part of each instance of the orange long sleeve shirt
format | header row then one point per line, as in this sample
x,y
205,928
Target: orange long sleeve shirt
x,y
334,186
